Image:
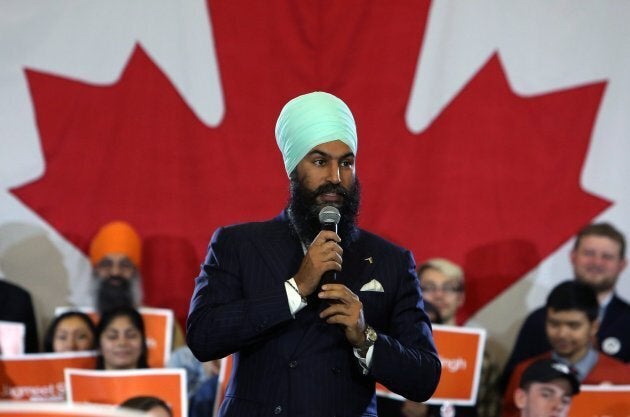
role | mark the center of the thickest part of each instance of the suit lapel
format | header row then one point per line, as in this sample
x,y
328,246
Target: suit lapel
x,y
611,314
358,266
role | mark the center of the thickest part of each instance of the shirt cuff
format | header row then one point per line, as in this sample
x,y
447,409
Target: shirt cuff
x,y
296,302
364,362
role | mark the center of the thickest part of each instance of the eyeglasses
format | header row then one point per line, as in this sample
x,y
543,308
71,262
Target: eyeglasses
x,y
447,289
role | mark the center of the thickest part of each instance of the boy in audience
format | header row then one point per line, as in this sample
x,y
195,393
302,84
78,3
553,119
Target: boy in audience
x,y
546,389
571,325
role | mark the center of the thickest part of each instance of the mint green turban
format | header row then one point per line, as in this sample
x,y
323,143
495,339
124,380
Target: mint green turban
x,y
310,120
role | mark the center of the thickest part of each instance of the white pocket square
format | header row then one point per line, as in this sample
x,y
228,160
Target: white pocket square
x,y
373,285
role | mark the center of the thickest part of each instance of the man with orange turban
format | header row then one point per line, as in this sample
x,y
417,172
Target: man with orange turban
x,y
116,254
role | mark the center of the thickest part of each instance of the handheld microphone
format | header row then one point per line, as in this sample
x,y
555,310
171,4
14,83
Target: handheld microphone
x,y
329,218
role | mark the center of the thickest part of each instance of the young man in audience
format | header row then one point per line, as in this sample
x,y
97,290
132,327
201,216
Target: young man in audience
x,y
546,389
442,284
571,325
598,258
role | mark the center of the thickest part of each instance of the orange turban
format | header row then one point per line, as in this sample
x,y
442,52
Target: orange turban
x,y
116,237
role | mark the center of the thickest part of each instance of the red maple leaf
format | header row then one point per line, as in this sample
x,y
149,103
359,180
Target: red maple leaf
x,y
134,151
492,184
495,183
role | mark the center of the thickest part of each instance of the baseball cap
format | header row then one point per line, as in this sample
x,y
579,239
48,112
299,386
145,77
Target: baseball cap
x,y
545,370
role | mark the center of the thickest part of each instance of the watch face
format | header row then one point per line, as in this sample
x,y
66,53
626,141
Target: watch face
x,y
370,335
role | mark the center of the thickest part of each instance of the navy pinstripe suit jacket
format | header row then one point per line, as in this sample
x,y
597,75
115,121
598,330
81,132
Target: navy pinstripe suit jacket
x,y
302,366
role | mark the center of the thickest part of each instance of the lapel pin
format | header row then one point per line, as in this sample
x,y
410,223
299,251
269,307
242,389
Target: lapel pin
x,y
370,260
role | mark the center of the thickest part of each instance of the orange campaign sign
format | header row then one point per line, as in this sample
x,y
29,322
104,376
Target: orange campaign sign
x,y
40,376
158,323
601,401
29,409
114,387
461,352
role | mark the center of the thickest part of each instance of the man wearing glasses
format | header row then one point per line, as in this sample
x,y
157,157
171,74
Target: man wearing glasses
x,y
442,285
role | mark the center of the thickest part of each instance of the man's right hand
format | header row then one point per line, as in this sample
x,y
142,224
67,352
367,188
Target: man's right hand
x,y
324,254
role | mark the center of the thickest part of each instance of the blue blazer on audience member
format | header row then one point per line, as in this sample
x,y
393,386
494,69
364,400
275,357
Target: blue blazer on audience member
x,y
303,366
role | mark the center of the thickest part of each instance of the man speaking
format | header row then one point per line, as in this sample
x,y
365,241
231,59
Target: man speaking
x,y
304,347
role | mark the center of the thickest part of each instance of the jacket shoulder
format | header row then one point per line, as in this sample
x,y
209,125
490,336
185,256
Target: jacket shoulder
x,y
13,291
371,240
260,228
620,304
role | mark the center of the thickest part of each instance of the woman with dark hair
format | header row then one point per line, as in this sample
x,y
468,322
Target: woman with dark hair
x,y
69,332
121,340
154,406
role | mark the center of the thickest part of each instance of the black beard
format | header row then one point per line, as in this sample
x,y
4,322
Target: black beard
x,y
304,210
113,292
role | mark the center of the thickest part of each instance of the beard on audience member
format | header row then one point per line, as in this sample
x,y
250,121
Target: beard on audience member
x,y
116,291
304,210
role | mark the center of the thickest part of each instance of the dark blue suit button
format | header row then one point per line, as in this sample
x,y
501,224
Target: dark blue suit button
x,y
277,410
293,364
335,370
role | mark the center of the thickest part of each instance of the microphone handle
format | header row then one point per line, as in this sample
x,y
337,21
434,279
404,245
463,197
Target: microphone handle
x,y
329,276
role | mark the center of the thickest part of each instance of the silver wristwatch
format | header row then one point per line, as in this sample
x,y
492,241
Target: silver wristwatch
x,y
370,338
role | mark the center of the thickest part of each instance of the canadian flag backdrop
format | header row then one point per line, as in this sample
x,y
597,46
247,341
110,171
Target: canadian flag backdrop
x,y
489,132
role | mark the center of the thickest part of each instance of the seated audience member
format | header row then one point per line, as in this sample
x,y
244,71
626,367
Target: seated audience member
x,y
154,406
202,380
121,340
546,389
442,284
571,326
116,255
201,403
598,258
70,331
16,305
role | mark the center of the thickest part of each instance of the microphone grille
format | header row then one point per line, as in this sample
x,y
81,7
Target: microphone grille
x,y
329,214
